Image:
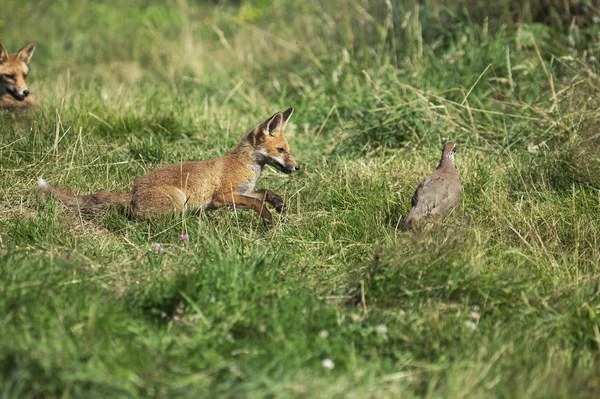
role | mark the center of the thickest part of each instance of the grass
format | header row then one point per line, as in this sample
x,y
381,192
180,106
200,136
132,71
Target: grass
x,y
502,300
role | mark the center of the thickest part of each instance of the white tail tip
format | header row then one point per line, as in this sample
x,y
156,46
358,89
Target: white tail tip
x,y
43,184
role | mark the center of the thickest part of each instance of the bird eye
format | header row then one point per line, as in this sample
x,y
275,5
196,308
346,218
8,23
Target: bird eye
x,y
281,150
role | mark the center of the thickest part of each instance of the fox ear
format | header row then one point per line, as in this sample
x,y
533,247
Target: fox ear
x,y
3,54
273,124
286,115
26,52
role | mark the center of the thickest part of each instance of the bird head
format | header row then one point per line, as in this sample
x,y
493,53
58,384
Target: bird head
x,y
448,153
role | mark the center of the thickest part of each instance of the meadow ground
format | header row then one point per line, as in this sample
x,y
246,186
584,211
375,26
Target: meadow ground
x,y
502,300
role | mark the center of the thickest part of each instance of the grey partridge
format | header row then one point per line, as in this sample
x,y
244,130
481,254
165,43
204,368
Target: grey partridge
x,y
438,192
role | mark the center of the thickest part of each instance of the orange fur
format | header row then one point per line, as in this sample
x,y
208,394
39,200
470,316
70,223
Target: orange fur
x,y
225,181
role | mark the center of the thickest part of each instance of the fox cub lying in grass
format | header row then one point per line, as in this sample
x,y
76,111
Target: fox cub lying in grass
x,y
225,181
14,71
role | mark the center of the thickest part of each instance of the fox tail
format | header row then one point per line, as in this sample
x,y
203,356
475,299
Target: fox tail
x,y
99,201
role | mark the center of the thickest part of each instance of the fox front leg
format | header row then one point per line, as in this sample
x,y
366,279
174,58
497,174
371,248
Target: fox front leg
x,y
271,198
244,202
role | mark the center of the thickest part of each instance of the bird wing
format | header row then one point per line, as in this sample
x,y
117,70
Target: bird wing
x,y
419,190
441,196
437,194
415,198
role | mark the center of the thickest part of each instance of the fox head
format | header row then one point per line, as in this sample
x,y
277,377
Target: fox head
x,y
270,145
14,69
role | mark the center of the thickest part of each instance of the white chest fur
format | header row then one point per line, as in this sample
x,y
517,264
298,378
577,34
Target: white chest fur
x,y
248,186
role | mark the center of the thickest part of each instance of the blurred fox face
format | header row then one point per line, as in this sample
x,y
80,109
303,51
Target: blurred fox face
x,y
14,71
13,79
271,144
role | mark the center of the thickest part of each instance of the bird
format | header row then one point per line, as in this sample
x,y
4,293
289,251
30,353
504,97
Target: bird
x,y
438,192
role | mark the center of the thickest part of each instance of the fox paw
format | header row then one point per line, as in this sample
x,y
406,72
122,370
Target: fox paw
x,y
279,205
268,223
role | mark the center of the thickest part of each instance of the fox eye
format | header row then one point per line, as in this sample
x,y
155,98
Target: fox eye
x,y
9,76
281,150
25,76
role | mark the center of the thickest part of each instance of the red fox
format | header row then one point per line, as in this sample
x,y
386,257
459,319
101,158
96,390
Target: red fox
x,y
14,69
225,181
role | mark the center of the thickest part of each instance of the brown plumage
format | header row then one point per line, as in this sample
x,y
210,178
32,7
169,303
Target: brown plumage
x,y
438,192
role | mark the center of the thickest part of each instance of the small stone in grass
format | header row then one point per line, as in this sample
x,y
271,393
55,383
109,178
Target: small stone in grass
x,y
381,329
470,325
327,364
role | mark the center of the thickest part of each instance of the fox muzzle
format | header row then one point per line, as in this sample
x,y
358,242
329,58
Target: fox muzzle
x,y
17,94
